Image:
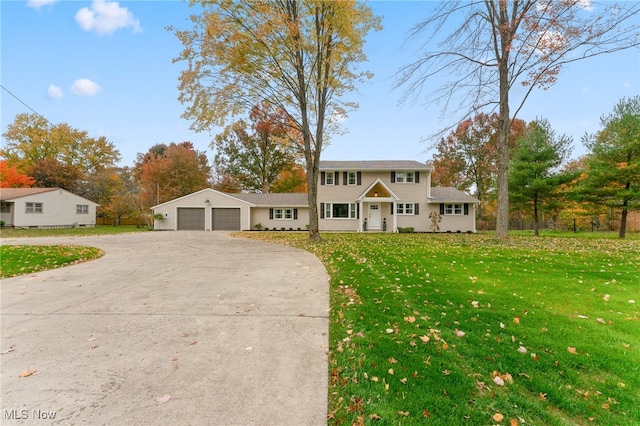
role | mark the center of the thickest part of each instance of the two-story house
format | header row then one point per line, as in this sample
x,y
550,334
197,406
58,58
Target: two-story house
x,y
353,196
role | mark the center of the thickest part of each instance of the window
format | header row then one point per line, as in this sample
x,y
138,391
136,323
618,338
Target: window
x,y
399,177
33,208
453,209
82,209
340,210
283,214
409,177
328,179
5,208
406,208
351,178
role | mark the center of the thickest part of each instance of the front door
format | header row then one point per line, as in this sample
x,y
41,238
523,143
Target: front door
x,y
374,216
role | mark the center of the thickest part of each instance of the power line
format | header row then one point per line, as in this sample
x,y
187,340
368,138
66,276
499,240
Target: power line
x,y
25,104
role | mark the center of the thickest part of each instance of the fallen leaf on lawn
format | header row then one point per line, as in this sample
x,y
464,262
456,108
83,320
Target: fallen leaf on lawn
x,y
497,417
513,422
410,319
446,372
475,303
460,333
392,360
389,330
375,417
516,320
522,349
502,325
507,377
27,373
498,381
583,317
632,301
404,380
374,378
391,371
425,339
572,350
426,413
542,396
403,413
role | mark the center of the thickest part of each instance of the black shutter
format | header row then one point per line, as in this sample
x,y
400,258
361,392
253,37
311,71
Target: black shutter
x,y
416,209
336,178
441,208
393,206
359,177
357,210
393,177
345,176
321,210
322,177
270,213
417,177
466,209
295,214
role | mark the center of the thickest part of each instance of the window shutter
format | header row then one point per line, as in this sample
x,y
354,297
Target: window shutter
x,y
416,209
295,214
393,206
441,208
466,209
336,178
357,210
417,177
393,177
345,176
322,177
321,210
359,178
270,213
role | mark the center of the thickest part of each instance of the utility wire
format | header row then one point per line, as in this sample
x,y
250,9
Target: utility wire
x,y
25,104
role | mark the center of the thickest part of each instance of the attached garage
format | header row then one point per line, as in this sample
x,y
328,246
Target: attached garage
x,y
190,219
225,219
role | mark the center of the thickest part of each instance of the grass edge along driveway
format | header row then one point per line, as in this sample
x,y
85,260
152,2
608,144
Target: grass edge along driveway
x,y
26,259
464,329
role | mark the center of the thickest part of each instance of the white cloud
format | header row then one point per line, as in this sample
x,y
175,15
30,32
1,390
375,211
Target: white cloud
x,y
84,87
37,4
106,17
55,92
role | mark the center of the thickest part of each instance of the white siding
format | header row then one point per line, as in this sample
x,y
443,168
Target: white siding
x,y
58,209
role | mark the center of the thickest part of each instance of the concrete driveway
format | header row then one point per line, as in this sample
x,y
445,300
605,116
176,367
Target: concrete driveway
x,y
168,328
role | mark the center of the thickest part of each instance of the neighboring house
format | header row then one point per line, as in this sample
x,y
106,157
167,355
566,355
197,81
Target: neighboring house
x,y
363,196
45,208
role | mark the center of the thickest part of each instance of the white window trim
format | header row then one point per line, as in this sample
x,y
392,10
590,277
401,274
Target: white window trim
x,y
355,178
82,209
32,207
329,179
401,209
405,177
452,209
328,211
281,214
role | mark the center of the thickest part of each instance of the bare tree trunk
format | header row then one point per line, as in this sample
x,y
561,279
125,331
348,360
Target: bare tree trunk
x,y
536,225
623,220
504,125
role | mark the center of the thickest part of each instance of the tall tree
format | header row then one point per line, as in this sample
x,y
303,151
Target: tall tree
x,y
534,173
612,174
167,172
10,177
255,154
31,138
467,157
497,45
301,56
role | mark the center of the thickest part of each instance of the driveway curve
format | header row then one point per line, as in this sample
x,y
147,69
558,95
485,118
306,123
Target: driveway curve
x,y
175,328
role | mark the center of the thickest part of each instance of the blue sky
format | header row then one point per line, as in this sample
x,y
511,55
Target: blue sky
x,y
106,68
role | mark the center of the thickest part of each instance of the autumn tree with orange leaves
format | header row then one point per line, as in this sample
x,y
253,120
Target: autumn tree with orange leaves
x,y
258,154
10,177
498,45
301,56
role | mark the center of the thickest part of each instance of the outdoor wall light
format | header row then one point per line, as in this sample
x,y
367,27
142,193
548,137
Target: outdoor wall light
x,y
206,201
375,194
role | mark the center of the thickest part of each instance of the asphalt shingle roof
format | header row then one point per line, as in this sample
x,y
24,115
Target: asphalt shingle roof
x,y
13,193
450,195
275,199
373,165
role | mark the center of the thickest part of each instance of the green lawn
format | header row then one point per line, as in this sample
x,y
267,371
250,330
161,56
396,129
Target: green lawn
x,y
21,260
450,329
97,230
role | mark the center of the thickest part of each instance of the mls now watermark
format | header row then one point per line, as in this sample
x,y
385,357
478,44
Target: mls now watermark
x,y
34,414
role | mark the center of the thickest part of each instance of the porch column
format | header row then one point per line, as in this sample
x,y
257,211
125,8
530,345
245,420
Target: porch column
x,y
395,216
